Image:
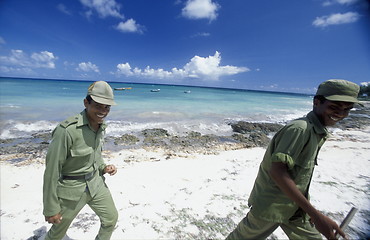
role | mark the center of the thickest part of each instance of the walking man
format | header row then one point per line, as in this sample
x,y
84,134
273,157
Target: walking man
x,y
280,193
74,170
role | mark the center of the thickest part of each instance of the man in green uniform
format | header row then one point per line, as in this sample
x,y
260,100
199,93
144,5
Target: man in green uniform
x,y
74,167
280,193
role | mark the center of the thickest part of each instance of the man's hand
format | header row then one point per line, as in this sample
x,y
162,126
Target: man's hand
x,y
111,169
54,219
326,226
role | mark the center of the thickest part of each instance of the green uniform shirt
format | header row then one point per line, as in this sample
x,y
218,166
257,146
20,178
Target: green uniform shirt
x,y
75,150
297,145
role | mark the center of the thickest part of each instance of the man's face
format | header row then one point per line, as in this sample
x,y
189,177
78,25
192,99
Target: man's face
x,y
331,112
96,112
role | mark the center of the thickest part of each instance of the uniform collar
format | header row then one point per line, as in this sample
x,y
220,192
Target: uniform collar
x,y
318,127
83,120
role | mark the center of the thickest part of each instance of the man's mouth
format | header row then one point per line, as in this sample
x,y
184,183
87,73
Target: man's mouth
x,y
100,115
334,119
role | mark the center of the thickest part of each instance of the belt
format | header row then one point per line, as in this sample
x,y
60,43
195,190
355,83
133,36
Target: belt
x,y
86,176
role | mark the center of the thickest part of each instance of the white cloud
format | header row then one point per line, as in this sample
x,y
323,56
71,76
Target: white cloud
x,y
61,7
336,19
18,58
17,70
2,41
343,2
104,8
365,83
199,9
206,68
67,63
201,34
110,8
130,26
210,68
43,59
124,69
87,67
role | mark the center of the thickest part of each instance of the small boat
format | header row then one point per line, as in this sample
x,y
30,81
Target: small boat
x,y
155,90
122,88
187,91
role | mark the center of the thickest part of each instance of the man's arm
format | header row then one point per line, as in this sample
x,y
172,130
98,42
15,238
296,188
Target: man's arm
x,y
326,226
56,154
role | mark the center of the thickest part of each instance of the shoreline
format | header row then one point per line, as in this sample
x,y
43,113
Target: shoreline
x,y
193,187
244,134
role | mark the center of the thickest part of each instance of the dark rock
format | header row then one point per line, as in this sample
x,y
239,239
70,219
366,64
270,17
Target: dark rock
x,y
127,139
259,139
156,137
255,139
248,127
43,135
194,134
155,141
155,132
194,140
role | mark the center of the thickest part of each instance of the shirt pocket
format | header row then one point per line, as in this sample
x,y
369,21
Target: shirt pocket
x,y
302,177
81,159
307,158
81,151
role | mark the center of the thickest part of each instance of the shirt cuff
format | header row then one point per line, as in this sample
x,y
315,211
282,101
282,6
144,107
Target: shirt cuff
x,y
284,158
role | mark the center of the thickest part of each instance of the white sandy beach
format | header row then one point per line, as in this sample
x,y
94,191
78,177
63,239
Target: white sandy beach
x,y
191,196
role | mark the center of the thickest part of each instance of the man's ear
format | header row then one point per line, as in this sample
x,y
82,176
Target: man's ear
x,y
316,102
86,102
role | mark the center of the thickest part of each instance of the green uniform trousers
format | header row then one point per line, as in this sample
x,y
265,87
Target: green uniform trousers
x,y
102,204
254,228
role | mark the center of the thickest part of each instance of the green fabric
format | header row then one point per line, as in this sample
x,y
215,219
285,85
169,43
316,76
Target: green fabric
x,y
102,204
339,90
252,228
297,145
75,150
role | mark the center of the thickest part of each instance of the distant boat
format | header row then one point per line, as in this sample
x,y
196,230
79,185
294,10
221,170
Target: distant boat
x,y
122,88
155,90
187,91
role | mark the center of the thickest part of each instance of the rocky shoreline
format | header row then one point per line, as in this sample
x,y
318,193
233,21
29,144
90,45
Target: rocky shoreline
x,y
245,135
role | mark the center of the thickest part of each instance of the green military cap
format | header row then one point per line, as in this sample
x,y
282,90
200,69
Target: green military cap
x,y
339,90
101,92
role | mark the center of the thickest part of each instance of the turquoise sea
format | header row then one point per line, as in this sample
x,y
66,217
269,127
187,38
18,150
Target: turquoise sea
x,y
31,105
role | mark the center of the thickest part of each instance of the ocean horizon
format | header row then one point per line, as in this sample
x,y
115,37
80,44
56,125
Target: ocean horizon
x,y
29,105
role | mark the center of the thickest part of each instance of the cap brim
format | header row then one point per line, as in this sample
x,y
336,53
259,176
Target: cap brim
x,y
104,101
342,98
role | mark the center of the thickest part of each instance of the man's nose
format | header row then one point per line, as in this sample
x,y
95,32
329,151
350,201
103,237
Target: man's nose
x,y
104,109
342,113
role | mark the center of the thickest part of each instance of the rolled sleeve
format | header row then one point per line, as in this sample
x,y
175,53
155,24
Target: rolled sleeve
x,y
284,158
288,145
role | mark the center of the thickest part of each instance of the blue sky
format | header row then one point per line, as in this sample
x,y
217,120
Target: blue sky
x,y
288,45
